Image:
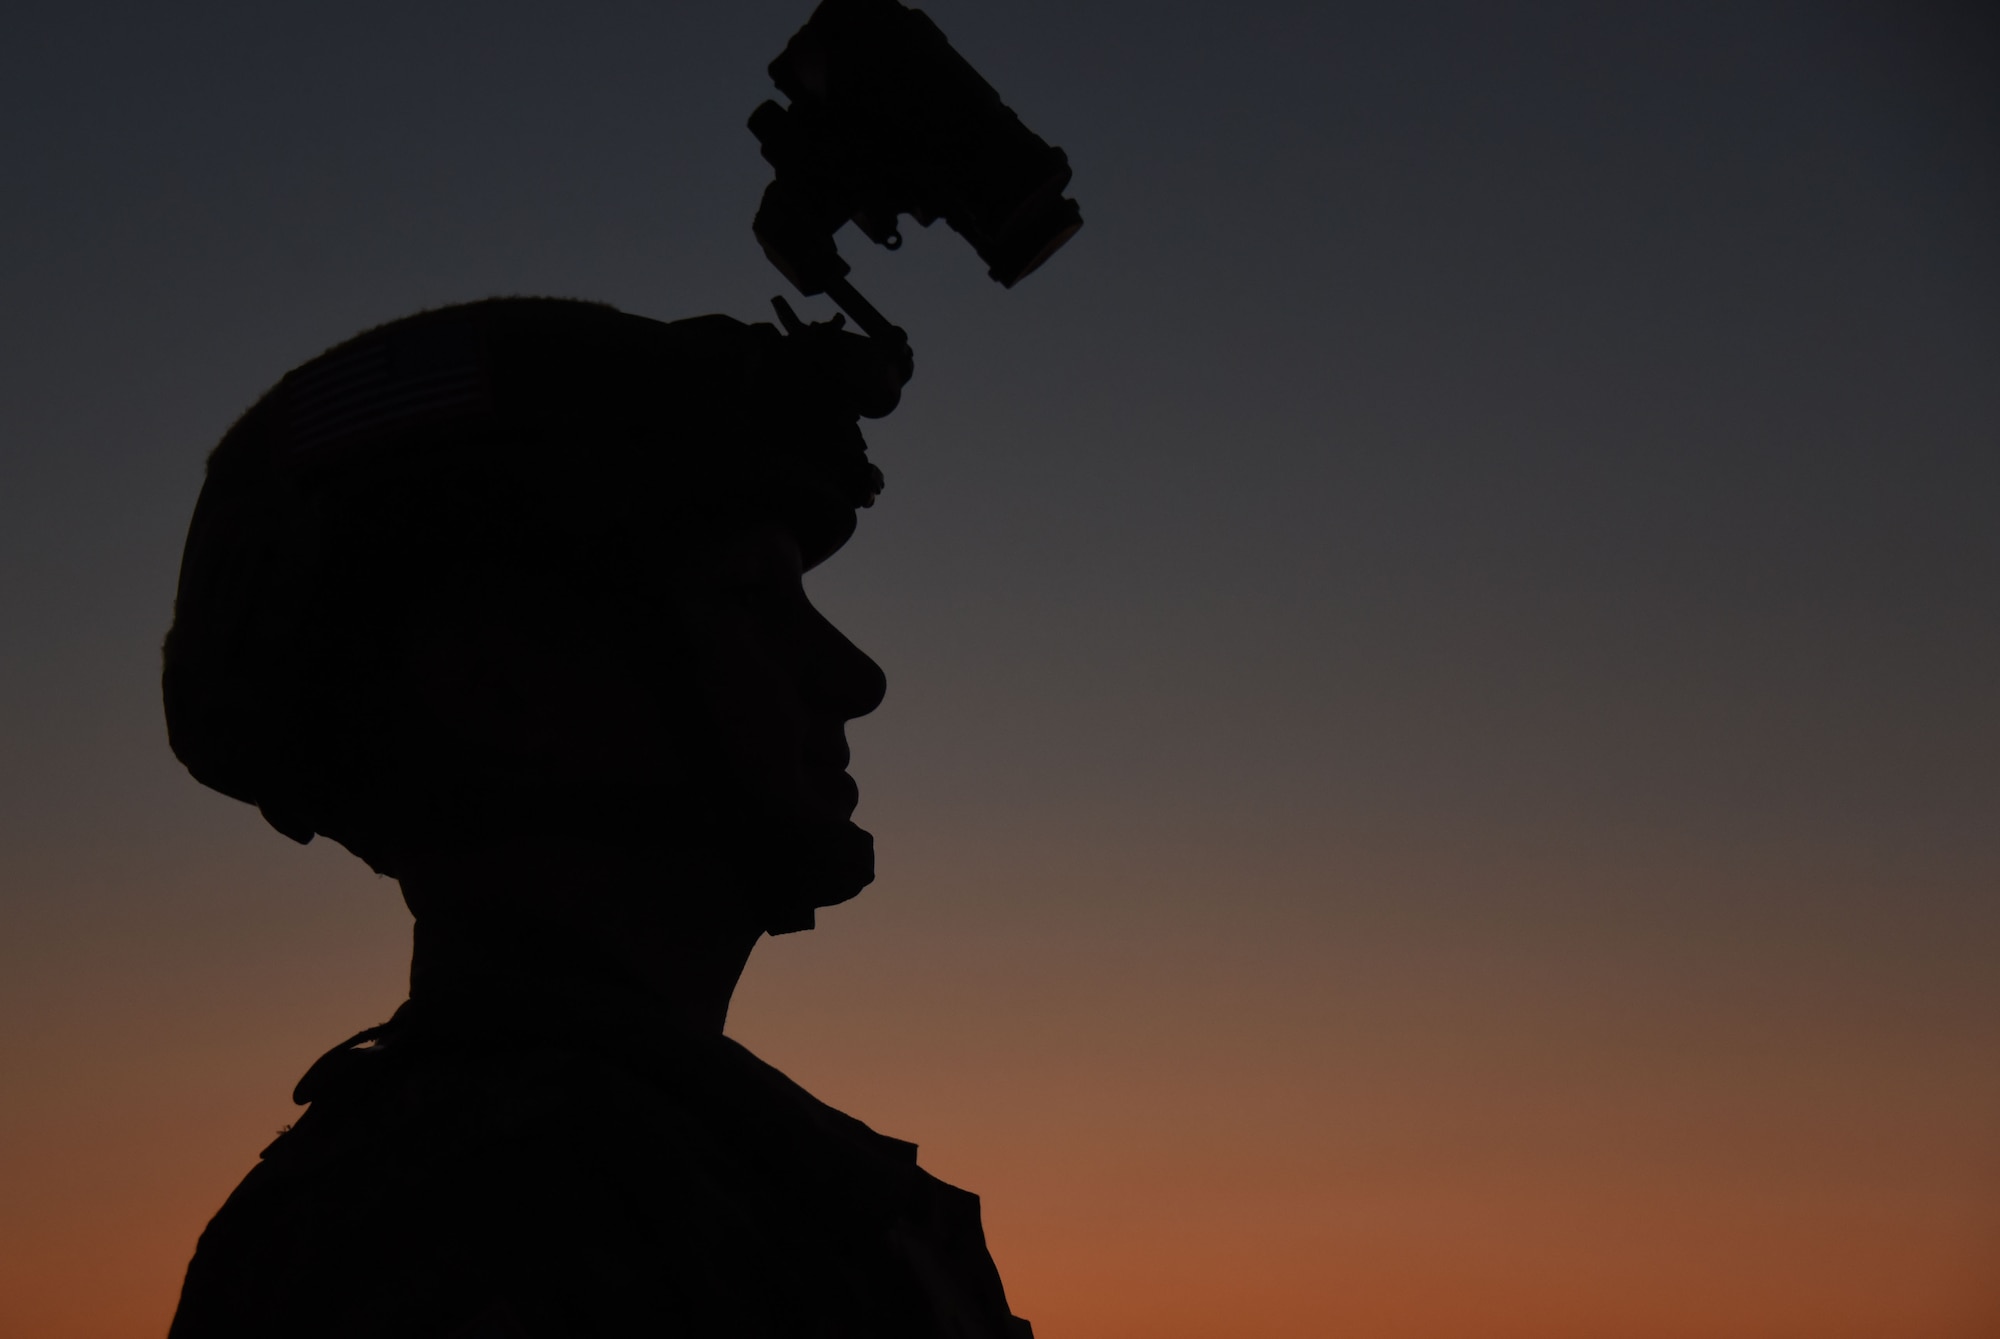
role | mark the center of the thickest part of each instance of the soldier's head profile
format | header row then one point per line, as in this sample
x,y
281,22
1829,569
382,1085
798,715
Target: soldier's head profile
x,y
526,572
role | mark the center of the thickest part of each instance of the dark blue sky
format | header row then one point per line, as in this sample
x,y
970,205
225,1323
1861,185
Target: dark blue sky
x,y
1677,318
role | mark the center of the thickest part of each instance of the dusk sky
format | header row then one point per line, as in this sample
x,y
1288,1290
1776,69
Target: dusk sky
x,y
1441,772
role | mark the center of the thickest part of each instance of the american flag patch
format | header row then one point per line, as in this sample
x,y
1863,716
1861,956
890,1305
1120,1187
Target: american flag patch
x,y
388,381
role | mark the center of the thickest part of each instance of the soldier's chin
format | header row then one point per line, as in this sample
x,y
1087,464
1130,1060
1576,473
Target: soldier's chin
x,y
809,867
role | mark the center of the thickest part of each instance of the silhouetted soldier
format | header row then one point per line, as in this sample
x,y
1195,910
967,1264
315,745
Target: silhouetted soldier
x,y
506,599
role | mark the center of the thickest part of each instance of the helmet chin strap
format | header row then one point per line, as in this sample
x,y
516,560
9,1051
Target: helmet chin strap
x,y
807,869
784,868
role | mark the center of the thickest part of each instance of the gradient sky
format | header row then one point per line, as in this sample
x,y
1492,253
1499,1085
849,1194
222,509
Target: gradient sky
x,y
1439,778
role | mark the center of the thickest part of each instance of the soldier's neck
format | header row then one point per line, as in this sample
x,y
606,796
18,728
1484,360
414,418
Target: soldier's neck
x,y
529,922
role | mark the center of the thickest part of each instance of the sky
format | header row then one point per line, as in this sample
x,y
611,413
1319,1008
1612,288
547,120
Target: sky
x,y
1440,767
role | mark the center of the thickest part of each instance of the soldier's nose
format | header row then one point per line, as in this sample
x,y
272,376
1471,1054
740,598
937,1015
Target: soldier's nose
x,y
846,680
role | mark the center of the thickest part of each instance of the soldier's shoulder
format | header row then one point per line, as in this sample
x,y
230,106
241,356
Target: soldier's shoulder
x,y
428,1177
436,1170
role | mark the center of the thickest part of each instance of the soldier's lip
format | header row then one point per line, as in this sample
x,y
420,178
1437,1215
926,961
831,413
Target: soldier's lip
x,y
834,757
843,793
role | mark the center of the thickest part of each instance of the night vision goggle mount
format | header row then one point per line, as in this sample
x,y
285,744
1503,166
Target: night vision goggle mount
x,y
886,119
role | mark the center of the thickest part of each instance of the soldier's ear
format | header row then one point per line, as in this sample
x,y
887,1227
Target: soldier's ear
x,y
547,689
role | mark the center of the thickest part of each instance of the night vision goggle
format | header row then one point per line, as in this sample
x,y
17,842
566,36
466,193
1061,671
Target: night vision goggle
x,y
886,119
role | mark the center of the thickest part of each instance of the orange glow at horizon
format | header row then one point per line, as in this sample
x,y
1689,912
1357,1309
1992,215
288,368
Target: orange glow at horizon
x,y
1375,1139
